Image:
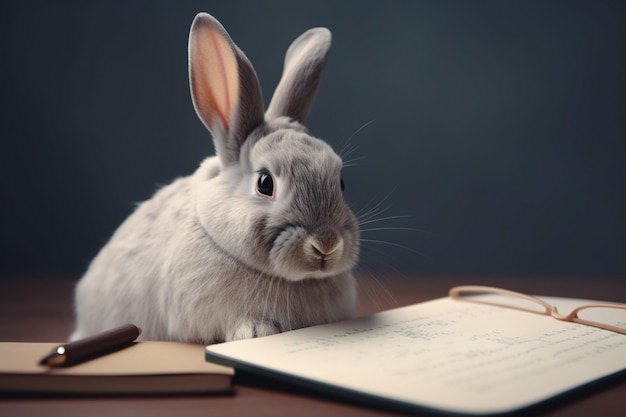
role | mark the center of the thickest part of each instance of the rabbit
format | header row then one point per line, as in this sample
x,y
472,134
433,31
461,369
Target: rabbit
x,y
259,239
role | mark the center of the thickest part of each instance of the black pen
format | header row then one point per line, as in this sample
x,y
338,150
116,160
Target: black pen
x,y
92,347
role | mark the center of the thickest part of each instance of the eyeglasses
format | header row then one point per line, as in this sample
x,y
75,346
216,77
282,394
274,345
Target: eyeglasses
x,y
589,314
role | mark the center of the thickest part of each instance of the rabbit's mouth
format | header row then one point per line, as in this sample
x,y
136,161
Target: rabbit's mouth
x,y
323,253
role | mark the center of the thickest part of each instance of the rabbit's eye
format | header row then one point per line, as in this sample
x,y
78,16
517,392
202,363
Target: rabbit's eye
x,y
343,185
265,184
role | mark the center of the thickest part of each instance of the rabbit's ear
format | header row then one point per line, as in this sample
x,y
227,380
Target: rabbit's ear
x,y
224,87
304,63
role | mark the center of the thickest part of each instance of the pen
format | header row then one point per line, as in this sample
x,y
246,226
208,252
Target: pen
x,y
92,347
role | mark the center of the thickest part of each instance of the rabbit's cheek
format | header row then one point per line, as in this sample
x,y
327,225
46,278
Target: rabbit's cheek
x,y
283,255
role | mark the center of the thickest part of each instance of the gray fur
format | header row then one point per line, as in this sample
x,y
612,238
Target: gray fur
x,y
208,258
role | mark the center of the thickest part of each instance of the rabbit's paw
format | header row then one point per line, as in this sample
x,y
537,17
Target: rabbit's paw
x,y
249,329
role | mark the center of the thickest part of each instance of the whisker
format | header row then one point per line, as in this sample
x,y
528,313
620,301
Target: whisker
x,y
380,219
347,150
347,146
267,300
375,210
353,162
384,289
397,245
410,229
366,124
373,217
276,302
387,259
289,306
400,228
250,297
371,294
366,214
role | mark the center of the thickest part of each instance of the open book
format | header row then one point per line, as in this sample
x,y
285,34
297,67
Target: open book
x,y
142,368
443,355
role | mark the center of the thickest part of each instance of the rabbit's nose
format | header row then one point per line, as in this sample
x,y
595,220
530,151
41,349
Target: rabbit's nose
x,y
327,250
326,242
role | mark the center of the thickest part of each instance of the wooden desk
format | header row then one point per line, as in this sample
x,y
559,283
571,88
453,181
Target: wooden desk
x,y
39,308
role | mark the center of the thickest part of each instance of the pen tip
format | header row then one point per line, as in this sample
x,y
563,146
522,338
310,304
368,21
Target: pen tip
x,y
53,359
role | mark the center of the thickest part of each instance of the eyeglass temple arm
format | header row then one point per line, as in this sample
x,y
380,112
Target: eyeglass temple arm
x,y
455,292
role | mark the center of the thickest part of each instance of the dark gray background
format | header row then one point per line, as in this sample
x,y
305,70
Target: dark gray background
x,y
499,128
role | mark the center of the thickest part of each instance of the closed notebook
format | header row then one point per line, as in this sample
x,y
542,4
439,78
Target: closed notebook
x,y
143,368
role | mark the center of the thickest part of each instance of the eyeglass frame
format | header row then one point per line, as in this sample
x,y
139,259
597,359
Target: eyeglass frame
x,y
549,310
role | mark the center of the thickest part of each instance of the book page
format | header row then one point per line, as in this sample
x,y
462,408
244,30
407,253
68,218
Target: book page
x,y
444,354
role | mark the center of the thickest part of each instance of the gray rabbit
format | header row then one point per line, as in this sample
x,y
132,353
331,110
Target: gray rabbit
x,y
259,239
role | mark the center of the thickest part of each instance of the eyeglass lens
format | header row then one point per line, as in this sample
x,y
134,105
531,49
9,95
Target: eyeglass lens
x,y
612,316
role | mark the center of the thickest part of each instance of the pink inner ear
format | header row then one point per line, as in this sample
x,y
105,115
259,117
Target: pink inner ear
x,y
214,75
